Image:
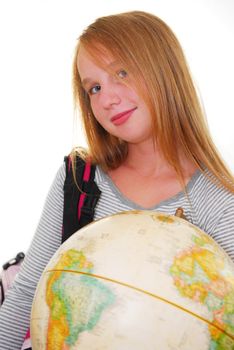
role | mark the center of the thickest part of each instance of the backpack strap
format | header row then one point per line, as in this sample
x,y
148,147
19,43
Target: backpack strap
x,y
79,202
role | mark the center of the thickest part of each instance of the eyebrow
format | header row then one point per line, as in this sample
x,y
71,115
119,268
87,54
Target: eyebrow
x,y
86,81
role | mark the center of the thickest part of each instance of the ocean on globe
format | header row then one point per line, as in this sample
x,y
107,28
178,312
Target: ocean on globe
x,y
132,281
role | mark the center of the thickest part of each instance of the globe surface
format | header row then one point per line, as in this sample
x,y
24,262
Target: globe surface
x,y
132,281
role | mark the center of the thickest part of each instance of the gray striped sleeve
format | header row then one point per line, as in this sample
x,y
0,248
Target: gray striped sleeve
x,y
15,312
223,232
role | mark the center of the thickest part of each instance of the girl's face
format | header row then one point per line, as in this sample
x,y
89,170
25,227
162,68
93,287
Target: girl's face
x,y
115,105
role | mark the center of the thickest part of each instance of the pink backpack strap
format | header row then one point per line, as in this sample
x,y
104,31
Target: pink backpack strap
x,y
86,177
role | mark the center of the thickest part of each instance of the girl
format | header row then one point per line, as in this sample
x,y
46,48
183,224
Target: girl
x,y
147,135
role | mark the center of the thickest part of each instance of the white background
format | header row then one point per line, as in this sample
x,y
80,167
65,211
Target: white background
x,y
37,39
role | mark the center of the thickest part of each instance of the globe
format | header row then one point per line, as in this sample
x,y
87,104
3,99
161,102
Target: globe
x,y
136,280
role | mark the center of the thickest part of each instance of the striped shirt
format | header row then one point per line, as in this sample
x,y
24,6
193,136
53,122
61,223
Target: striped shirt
x,y
209,207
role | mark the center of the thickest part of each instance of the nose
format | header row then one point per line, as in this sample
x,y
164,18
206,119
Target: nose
x,y
110,95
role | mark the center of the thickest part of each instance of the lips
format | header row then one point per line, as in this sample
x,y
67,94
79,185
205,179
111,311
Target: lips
x,y
122,117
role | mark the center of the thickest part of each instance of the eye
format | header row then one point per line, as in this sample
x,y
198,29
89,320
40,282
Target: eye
x,y
122,73
94,89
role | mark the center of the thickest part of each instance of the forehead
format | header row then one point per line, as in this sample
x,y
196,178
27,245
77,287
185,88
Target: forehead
x,y
88,63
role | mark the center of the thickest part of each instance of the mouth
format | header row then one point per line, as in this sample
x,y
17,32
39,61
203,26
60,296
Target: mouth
x,y
120,118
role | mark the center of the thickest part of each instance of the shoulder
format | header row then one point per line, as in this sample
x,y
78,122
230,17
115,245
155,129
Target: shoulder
x,y
79,153
207,189
211,202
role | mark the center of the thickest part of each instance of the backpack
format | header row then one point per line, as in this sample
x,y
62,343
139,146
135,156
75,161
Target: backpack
x,y
79,202
80,199
9,271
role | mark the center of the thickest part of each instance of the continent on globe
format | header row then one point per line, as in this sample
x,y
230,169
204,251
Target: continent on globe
x,y
200,275
68,290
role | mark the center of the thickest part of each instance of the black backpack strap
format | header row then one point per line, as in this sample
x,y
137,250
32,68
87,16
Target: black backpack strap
x,y
79,201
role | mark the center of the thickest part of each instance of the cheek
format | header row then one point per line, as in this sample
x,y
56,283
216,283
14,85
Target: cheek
x,y
94,107
96,111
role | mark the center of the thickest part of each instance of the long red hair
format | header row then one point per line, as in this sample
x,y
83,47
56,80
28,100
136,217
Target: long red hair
x,y
151,53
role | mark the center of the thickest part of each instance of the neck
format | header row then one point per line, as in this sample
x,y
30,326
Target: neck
x,y
146,157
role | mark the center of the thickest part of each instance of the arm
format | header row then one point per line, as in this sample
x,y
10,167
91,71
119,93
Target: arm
x,y
15,311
